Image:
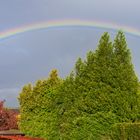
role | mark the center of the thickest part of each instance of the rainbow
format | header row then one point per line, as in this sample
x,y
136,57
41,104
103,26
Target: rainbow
x,y
67,23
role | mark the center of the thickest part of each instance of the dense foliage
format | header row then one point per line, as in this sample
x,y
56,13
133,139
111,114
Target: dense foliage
x,y
37,103
101,92
8,118
125,131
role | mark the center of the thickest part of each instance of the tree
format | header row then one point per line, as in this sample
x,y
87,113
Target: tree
x,y
37,107
123,66
85,96
125,81
101,91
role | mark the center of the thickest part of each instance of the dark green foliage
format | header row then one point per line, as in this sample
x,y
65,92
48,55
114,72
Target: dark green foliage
x,y
101,92
126,82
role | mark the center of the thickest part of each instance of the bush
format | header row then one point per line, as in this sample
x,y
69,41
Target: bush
x,y
8,118
126,131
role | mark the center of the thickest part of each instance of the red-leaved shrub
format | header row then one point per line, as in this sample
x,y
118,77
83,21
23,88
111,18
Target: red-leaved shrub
x,y
8,118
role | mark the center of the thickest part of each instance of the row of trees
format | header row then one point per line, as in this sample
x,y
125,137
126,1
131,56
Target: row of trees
x,y
100,92
8,118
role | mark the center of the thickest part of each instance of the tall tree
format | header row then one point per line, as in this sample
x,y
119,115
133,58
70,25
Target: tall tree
x,y
124,81
101,92
123,67
85,95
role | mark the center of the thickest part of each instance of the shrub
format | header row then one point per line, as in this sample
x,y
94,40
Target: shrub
x,y
126,131
8,118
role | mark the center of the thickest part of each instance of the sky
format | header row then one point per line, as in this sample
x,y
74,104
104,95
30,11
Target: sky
x,y
30,55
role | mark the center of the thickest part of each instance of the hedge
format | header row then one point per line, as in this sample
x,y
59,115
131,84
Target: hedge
x,y
126,131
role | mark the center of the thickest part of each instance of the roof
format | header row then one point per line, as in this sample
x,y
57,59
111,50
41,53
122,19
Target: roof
x,y
11,132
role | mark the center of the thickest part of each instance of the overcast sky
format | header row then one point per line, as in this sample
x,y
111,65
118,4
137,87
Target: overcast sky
x,y
30,56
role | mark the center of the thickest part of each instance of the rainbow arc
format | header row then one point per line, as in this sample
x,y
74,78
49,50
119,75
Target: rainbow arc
x,y
67,23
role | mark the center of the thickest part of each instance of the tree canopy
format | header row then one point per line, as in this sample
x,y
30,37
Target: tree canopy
x,y
100,92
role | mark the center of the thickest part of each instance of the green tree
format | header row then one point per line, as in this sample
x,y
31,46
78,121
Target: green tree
x,y
125,81
37,107
123,66
84,96
101,91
